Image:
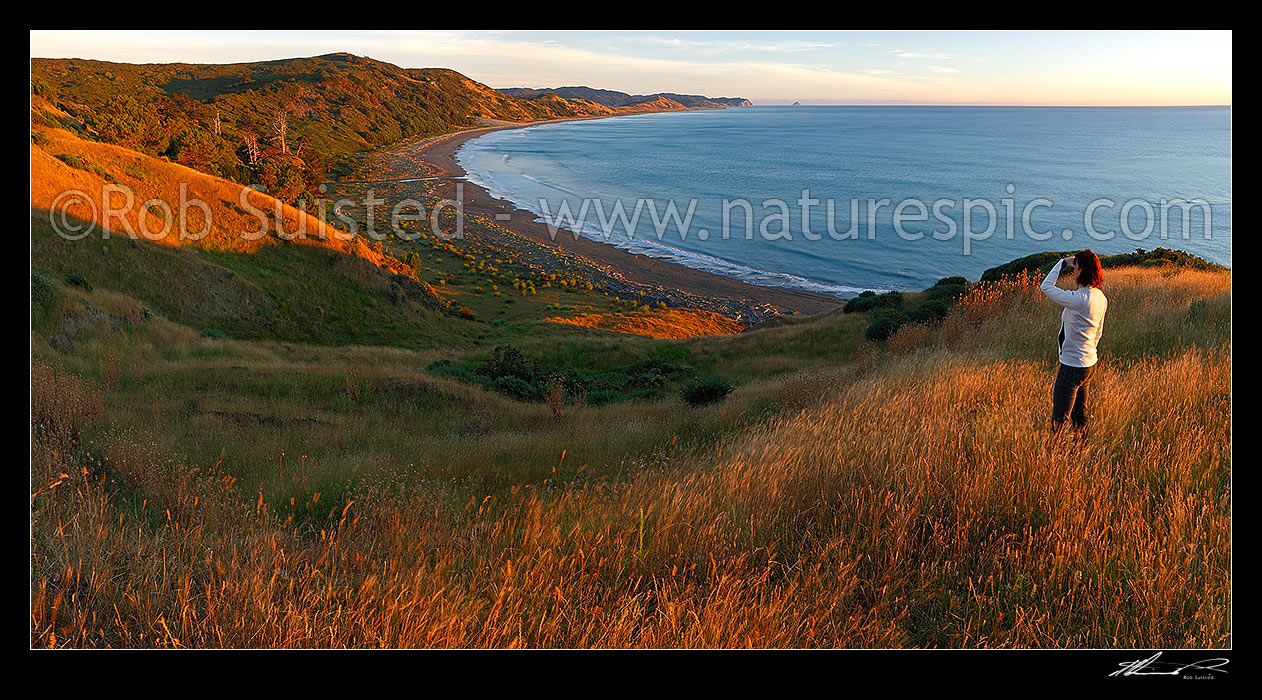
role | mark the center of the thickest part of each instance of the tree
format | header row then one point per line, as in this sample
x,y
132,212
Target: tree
x,y
251,139
280,127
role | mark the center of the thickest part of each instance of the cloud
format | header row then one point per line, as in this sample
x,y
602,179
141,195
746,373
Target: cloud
x,y
942,69
712,47
915,54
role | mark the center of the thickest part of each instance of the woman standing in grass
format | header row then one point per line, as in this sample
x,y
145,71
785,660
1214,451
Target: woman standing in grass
x,y
1081,324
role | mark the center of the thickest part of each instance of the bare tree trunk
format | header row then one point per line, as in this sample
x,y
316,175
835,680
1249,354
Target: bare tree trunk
x,y
280,127
218,124
252,147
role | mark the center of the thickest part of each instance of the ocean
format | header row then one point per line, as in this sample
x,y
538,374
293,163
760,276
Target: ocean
x,y
839,199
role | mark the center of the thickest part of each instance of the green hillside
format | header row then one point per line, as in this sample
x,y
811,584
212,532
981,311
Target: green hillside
x,y
333,108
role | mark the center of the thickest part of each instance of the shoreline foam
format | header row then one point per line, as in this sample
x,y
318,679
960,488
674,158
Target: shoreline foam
x,y
439,153
654,249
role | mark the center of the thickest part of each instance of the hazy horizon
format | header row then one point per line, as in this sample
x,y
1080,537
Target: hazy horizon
x,y
1008,68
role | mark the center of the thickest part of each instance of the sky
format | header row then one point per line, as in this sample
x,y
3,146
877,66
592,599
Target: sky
x,y
1103,67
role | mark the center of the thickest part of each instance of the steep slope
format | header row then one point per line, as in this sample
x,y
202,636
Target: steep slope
x,y
206,273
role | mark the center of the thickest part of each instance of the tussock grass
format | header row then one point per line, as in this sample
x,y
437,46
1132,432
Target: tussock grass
x,y
902,498
660,323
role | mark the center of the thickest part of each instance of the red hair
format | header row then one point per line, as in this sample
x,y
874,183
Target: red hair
x,y
1090,274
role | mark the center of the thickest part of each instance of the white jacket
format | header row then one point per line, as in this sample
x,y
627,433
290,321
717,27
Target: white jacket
x,y
1082,321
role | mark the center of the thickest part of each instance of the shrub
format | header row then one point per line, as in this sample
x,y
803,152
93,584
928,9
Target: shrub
x,y
931,310
861,303
43,117
881,329
653,372
509,371
466,313
508,361
647,395
868,301
893,313
517,388
44,295
77,280
1040,263
953,281
705,390
946,292
81,164
214,333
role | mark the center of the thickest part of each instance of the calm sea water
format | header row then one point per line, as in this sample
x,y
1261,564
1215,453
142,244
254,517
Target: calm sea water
x,y
1032,174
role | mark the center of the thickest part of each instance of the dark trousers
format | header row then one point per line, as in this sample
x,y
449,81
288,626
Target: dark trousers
x,y
1069,396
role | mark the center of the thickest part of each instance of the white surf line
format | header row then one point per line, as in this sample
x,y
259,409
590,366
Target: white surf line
x,y
406,179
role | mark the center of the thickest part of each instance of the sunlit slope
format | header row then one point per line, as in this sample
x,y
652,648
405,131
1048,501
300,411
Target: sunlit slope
x,y
910,498
280,279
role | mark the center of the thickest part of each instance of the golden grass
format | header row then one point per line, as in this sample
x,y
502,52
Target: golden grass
x,y
914,501
658,323
150,179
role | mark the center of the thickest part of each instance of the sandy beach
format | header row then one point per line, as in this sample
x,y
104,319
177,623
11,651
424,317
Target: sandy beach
x,y
439,153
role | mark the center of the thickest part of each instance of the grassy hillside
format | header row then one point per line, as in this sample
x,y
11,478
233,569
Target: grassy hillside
x,y
416,290
207,274
333,109
196,491
429,442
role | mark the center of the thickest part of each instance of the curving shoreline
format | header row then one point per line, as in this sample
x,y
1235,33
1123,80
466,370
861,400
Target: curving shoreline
x,y
439,154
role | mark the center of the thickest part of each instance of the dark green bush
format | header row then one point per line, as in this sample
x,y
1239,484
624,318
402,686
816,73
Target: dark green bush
x,y
647,395
508,361
77,280
931,310
954,280
881,329
869,300
891,299
892,313
1040,263
511,372
44,294
946,292
705,390
518,388
1158,256
214,333
860,303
